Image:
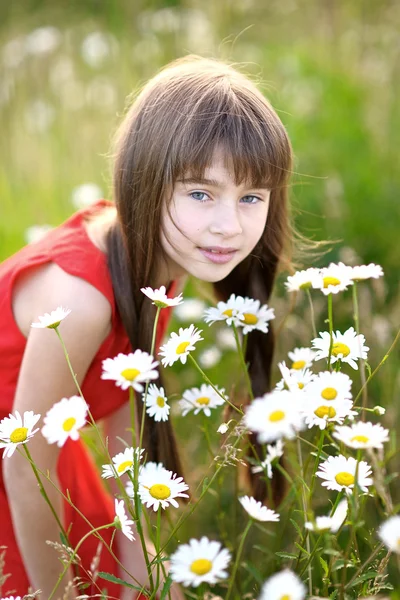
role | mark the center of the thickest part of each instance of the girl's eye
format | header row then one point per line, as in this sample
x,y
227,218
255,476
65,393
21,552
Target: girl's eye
x,y
197,196
251,199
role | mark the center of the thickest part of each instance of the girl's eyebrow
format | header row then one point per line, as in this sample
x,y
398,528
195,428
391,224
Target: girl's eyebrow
x,y
216,183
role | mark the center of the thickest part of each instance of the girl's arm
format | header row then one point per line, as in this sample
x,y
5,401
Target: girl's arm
x,y
43,380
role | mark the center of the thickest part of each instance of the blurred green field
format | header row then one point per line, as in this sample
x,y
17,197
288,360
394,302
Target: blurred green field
x,y
331,69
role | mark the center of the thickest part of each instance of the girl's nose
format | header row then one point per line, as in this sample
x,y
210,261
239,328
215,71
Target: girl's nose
x,y
225,221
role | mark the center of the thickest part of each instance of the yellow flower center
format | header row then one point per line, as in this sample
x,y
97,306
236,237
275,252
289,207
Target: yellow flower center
x,y
19,435
203,400
330,281
329,393
344,478
130,374
339,348
228,312
201,566
160,401
181,348
277,415
360,438
285,597
301,385
125,465
69,423
160,491
298,364
325,411
250,319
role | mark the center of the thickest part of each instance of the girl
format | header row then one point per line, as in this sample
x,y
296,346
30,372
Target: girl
x,y
200,187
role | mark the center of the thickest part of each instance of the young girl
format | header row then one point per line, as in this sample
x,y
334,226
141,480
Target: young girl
x,y
200,187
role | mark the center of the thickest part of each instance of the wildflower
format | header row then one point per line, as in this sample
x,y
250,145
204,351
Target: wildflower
x,y
330,523
16,430
292,379
52,320
347,347
366,272
256,318
330,387
339,473
64,420
199,399
389,533
321,412
130,370
333,279
160,298
284,585
273,416
179,345
274,451
226,339
121,520
123,462
230,311
199,561
223,428
257,511
210,357
157,403
190,310
301,280
362,435
379,410
302,358
157,486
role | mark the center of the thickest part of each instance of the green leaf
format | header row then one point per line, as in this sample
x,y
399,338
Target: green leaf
x,y
324,565
304,550
205,484
166,588
365,577
297,528
253,571
289,555
114,579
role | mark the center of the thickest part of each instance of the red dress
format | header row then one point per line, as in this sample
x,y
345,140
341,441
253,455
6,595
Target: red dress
x,y
69,247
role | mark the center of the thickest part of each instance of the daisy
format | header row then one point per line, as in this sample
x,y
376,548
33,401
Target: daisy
x,y
292,379
199,561
199,399
301,280
190,310
274,451
179,345
130,370
160,298
64,420
330,386
256,510
121,520
330,523
301,358
366,272
230,311
322,412
53,319
339,473
16,430
157,486
256,317
333,279
362,435
210,357
273,416
157,403
389,533
123,462
285,585
347,347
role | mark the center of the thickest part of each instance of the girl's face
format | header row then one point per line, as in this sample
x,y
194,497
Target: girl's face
x,y
214,224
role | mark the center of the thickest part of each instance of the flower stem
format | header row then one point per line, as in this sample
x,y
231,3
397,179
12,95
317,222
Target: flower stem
x,y
312,315
362,362
330,319
305,511
238,555
242,361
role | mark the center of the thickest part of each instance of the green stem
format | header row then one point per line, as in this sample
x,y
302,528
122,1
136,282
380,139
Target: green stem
x,y
136,502
300,458
312,315
133,416
362,362
158,544
330,319
238,555
242,361
153,345
320,446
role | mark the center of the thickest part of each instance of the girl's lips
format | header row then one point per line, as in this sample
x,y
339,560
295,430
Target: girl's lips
x,y
219,258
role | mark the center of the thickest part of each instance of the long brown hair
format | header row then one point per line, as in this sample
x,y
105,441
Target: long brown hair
x,y
188,110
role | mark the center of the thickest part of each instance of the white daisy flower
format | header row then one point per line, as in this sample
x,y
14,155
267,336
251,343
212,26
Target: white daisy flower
x,y
85,195
210,357
284,585
199,561
157,486
123,462
52,320
256,317
301,280
330,523
330,386
223,428
347,347
257,510
273,416
274,451
302,358
130,370
12,598
366,272
199,399
121,520
191,309
179,345
157,403
294,380
389,533
362,435
160,298
226,339
230,311
333,279
322,412
16,430
339,473
64,420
